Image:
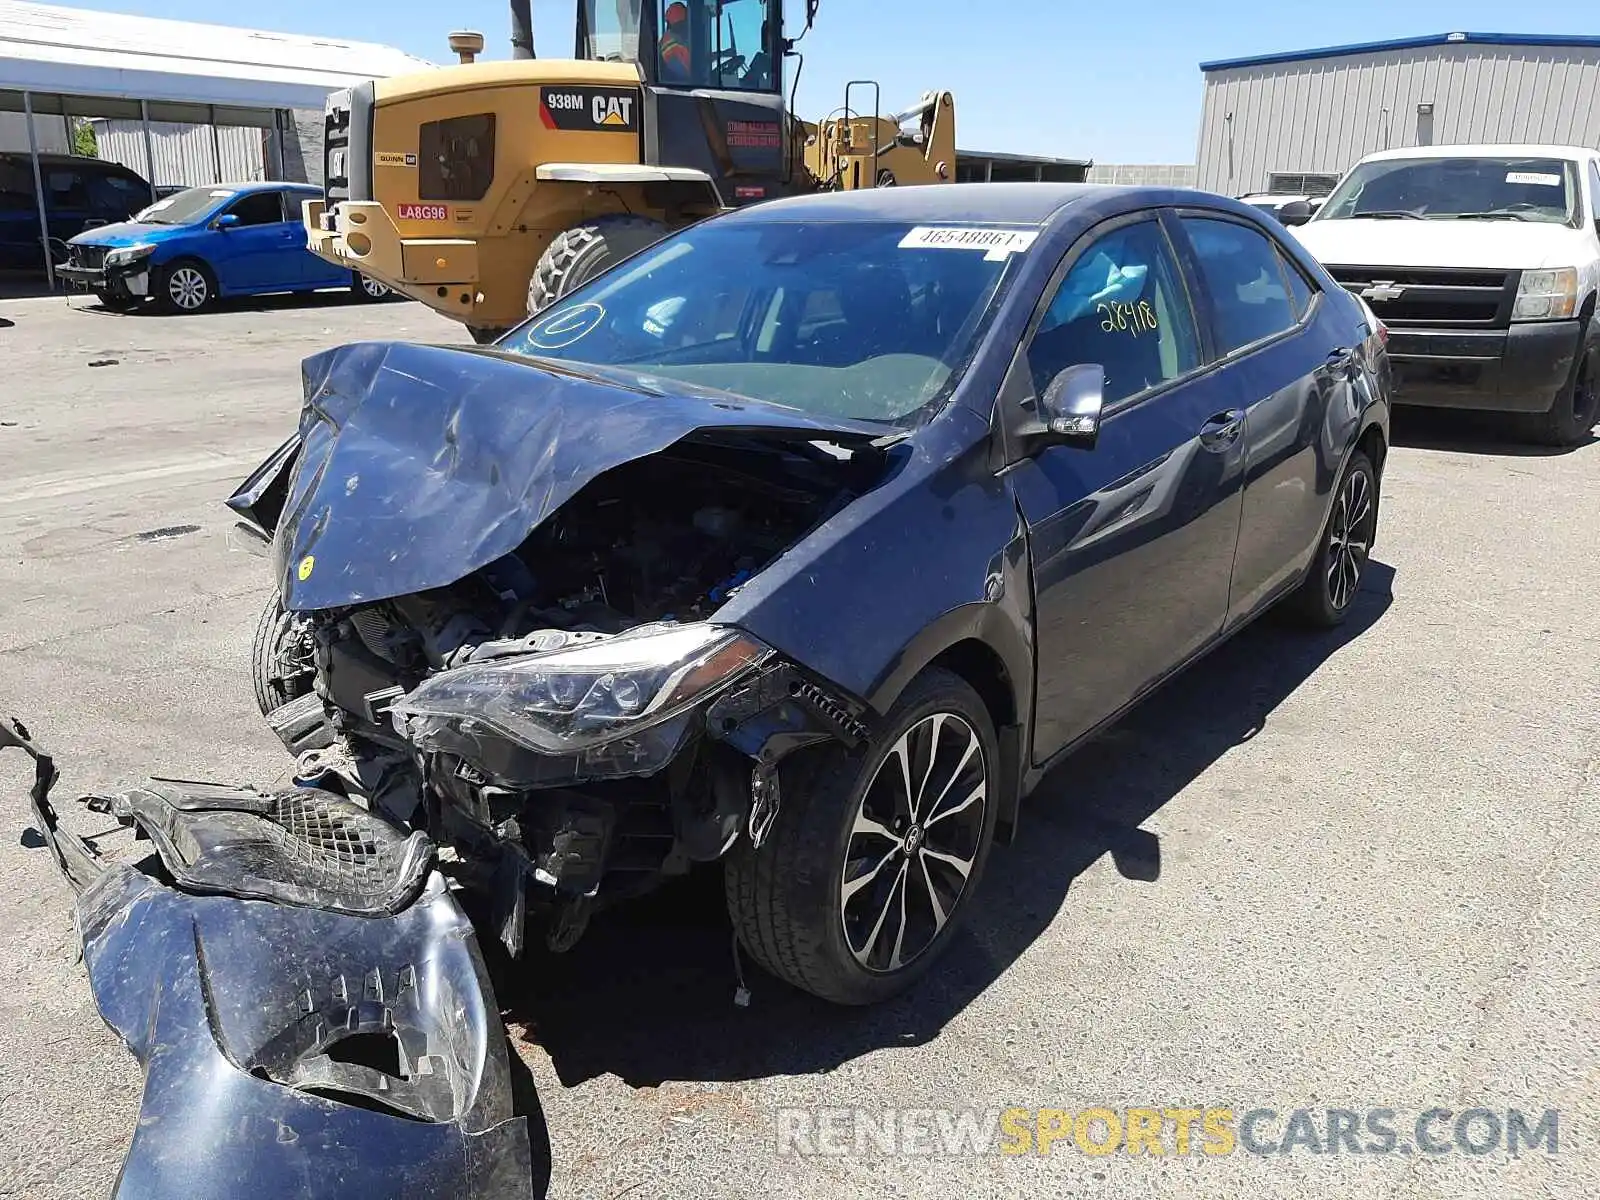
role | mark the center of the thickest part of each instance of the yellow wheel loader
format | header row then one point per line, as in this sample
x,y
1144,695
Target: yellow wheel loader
x,y
489,190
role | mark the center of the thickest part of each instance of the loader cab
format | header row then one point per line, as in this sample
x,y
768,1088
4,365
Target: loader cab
x,y
717,45
713,87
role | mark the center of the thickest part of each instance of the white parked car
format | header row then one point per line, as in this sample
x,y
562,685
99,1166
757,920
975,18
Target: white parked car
x,y
1483,261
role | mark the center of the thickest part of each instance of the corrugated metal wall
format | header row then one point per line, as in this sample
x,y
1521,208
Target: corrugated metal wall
x,y
1178,175
184,153
50,132
1323,115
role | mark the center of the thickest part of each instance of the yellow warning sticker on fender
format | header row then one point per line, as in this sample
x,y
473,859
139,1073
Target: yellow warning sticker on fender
x,y
306,566
995,244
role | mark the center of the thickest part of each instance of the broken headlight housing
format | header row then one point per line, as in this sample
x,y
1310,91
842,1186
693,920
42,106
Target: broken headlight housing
x,y
578,699
123,255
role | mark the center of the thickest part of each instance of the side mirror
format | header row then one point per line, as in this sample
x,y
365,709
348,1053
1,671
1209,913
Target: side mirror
x,y
1069,410
1296,212
226,221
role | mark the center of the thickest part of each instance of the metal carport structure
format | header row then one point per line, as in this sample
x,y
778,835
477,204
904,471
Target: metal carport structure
x,y
75,62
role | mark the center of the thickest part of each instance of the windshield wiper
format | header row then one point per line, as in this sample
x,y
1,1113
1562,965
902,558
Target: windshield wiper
x,y
1388,214
1489,216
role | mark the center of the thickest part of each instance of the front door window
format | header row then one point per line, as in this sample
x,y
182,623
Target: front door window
x,y
1121,305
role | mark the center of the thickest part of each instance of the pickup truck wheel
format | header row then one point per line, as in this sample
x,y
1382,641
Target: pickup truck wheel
x,y
280,665
1573,414
584,251
873,857
1325,598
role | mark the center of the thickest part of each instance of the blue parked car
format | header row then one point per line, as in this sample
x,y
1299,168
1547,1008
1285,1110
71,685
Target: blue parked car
x,y
232,239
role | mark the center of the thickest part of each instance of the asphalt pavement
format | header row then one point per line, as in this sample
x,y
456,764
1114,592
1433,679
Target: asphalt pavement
x,y
1353,872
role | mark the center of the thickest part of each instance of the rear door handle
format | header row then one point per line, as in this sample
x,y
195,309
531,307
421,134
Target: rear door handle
x,y
1222,430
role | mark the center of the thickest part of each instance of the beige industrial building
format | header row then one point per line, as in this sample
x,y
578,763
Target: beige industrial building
x,y
1295,122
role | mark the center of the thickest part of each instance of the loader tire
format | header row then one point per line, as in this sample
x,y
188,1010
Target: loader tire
x,y
584,251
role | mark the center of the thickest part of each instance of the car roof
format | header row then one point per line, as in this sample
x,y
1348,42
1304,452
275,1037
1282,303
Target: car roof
x,y
1486,150
1002,203
51,159
261,185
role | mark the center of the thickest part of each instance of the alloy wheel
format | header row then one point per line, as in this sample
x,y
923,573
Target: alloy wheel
x,y
188,288
374,289
916,836
1350,538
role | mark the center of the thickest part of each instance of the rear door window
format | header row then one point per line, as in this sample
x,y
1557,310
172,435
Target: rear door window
x,y
116,198
1301,291
1242,272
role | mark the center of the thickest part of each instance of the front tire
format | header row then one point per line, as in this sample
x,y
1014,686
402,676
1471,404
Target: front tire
x,y
185,286
874,856
1573,414
1329,591
116,299
584,251
281,669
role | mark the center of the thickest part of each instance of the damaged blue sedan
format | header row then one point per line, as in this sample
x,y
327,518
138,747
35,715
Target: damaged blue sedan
x,y
805,541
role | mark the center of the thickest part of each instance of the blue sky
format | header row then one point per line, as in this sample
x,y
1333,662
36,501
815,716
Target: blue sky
x,y
1113,81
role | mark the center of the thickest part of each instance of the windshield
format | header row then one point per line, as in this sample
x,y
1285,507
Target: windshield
x,y
1510,188
183,208
871,320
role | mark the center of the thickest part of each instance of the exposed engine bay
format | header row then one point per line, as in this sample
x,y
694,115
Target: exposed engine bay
x,y
655,543
504,647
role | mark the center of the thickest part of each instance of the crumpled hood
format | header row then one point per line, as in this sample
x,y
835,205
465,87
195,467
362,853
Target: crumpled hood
x,y
127,233
421,464
1490,245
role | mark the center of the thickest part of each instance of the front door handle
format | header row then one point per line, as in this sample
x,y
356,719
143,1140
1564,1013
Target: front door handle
x,y
1222,430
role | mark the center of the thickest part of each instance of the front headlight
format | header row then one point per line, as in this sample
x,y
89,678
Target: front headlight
x,y
123,255
566,701
1546,295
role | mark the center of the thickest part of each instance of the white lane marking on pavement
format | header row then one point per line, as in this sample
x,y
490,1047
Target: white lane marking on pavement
x,y
48,487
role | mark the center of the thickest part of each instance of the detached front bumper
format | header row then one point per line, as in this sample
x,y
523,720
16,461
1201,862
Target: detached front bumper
x,y
332,1035
1520,369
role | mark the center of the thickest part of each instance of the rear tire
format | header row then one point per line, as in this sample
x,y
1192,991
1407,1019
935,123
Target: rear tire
x,y
1573,414
364,290
1330,588
854,894
584,251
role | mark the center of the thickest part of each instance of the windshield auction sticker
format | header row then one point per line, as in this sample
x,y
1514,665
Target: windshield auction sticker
x,y
1541,178
996,244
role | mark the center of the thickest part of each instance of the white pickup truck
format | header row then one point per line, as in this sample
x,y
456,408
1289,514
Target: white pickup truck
x,y
1483,261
